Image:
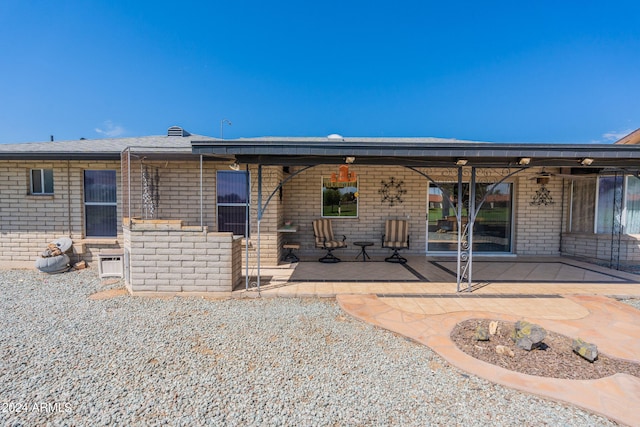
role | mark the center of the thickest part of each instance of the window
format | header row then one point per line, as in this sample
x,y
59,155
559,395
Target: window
x,y
41,181
232,189
583,205
632,206
340,194
594,207
100,203
607,210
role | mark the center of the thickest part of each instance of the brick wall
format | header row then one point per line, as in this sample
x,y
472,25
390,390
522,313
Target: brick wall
x,y
538,227
29,222
178,184
597,247
177,258
179,198
303,203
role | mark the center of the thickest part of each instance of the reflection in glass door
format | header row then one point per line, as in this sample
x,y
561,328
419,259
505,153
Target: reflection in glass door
x,y
492,229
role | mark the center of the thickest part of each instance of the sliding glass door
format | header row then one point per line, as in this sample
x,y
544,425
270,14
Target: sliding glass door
x,y
492,229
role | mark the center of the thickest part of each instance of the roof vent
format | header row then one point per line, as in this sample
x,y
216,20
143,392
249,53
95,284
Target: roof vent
x,y
177,131
335,137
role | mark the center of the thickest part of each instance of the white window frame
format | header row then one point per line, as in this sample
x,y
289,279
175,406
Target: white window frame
x,y
98,204
42,182
597,205
623,214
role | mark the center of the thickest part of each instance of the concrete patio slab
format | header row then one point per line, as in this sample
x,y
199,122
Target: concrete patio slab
x,y
613,326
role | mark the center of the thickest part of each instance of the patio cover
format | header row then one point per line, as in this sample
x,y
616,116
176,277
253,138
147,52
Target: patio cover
x,y
422,153
417,152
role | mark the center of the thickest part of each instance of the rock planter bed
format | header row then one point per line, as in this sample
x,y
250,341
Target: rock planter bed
x,y
553,358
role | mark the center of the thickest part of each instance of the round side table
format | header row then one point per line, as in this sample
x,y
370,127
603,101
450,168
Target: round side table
x,y
363,250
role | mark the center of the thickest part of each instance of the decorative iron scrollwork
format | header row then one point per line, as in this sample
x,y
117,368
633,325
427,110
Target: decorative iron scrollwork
x,y
392,191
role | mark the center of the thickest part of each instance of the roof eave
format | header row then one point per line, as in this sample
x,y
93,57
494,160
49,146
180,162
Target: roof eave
x,y
420,154
59,156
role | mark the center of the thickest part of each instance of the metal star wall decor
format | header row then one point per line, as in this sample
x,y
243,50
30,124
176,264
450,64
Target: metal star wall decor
x,y
542,197
392,191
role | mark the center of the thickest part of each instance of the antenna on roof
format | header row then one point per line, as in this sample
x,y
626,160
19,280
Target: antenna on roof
x,y
222,122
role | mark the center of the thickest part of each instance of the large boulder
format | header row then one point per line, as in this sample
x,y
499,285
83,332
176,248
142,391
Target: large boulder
x,y
586,350
528,336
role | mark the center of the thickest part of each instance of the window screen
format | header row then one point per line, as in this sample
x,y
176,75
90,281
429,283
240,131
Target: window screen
x,y
100,200
232,189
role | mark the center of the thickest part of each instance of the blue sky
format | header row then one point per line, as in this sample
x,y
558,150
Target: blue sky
x,y
503,71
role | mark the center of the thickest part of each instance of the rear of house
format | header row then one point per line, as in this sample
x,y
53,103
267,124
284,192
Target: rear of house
x,y
184,219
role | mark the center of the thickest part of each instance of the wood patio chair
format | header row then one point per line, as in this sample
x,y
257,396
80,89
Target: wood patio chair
x,y
396,237
323,232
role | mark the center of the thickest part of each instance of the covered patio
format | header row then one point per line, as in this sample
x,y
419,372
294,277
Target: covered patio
x,y
434,278
466,175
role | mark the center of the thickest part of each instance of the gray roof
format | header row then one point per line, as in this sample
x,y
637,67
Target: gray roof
x,y
417,152
100,149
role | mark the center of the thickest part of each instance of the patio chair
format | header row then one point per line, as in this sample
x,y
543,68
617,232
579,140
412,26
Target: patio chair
x,y
323,232
396,237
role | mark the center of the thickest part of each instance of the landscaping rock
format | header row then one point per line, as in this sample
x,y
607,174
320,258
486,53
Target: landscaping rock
x,y
528,336
482,334
586,350
493,327
501,349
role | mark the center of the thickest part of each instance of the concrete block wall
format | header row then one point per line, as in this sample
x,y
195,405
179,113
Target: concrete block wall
x,y
303,204
178,184
29,222
177,259
179,198
538,227
597,247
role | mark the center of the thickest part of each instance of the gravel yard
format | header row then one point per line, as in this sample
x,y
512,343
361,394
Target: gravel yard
x,y
69,360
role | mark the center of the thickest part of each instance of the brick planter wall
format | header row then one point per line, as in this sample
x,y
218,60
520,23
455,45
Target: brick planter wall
x,y
164,256
597,247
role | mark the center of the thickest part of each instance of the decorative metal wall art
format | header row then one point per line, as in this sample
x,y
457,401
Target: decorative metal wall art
x,y
392,191
542,197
